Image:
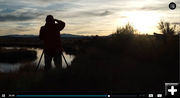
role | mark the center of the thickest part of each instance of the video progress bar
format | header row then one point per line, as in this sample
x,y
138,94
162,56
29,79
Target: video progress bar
x,y
90,96
104,96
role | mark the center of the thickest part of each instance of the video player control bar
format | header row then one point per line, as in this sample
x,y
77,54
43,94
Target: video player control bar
x,y
82,96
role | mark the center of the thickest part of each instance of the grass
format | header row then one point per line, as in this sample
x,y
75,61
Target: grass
x,y
140,62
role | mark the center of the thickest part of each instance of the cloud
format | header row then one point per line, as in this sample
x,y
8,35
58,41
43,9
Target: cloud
x,y
88,14
176,23
95,13
158,5
22,28
150,8
15,18
105,13
46,3
19,14
7,10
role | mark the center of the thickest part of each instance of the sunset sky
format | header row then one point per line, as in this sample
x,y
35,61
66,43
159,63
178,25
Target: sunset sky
x,y
86,17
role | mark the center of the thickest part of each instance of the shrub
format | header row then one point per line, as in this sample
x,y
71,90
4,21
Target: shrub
x,y
124,33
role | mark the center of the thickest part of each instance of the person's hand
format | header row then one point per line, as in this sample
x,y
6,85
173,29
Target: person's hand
x,y
56,20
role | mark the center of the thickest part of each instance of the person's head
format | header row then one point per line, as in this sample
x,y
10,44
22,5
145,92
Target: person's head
x,y
50,19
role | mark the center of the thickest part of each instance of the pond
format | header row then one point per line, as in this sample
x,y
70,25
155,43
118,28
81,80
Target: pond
x,y
8,67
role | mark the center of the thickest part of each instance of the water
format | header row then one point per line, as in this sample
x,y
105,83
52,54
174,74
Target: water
x,y
7,67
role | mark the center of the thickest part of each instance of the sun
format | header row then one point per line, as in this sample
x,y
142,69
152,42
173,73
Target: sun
x,y
144,22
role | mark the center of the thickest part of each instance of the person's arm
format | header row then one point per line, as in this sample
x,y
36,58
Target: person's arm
x,y
60,24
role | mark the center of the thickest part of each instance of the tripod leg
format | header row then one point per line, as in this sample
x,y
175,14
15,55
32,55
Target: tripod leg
x,y
39,61
65,60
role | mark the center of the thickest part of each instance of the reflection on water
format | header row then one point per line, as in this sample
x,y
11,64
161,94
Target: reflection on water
x,y
5,67
69,59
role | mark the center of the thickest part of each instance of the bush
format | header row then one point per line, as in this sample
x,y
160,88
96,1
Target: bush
x,y
124,32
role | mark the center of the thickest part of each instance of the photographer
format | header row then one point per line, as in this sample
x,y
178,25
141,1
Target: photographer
x,y
50,34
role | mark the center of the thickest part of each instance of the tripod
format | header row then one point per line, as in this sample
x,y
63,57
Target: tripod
x,y
42,56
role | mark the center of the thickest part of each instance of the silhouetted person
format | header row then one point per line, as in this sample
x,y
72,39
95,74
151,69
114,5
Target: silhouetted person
x,y
50,34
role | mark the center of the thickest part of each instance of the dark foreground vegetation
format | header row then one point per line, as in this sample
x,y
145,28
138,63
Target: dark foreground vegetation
x,y
122,62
